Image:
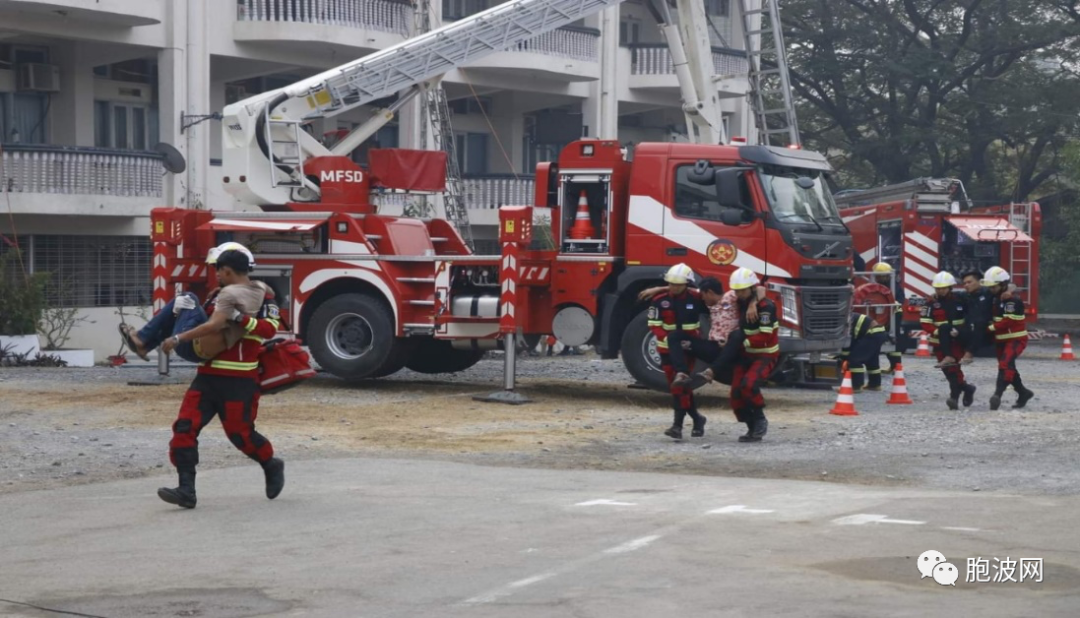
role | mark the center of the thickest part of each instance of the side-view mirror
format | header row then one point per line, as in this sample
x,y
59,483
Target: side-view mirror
x,y
805,183
728,192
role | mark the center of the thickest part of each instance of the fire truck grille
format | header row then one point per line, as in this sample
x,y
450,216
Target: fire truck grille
x,y
825,312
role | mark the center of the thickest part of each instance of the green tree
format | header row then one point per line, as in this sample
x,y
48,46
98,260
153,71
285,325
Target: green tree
x,y
980,90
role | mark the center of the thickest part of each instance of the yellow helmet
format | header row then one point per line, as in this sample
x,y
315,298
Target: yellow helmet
x,y
882,268
995,275
212,256
743,278
679,274
944,279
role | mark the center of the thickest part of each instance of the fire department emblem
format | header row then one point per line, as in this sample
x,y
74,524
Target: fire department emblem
x,y
722,252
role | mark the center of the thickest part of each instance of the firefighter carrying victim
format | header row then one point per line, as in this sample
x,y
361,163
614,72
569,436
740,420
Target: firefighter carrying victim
x,y
242,315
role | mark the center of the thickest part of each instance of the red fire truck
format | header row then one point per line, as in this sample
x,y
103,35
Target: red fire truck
x,y
371,294
928,225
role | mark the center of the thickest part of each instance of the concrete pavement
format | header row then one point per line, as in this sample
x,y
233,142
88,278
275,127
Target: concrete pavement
x,y
377,537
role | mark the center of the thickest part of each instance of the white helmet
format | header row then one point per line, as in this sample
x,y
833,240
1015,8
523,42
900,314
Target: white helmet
x,y
679,274
995,275
743,278
212,256
944,279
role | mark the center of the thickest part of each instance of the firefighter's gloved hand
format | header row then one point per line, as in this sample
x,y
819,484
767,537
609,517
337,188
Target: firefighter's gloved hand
x,y
237,316
183,302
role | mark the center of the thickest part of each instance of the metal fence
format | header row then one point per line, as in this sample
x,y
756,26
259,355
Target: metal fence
x,y
489,192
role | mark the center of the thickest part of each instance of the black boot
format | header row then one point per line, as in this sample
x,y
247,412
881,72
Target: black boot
x,y
1025,396
184,494
699,425
675,431
274,469
995,401
969,394
759,425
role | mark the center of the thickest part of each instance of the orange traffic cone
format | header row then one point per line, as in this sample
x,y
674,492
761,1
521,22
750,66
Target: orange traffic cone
x,y
845,401
1066,350
583,227
898,393
924,345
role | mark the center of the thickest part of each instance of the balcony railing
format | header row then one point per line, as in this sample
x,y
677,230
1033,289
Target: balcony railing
x,y
568,42
656,60
489,192
385,15
70,170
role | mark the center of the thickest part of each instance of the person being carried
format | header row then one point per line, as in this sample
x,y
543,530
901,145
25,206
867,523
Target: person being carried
x,y
979,302
183,313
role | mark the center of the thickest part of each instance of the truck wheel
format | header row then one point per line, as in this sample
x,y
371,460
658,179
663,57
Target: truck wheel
x,y
640,355
403,350
438,356
352,336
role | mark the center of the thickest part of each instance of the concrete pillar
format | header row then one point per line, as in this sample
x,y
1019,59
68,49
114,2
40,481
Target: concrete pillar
x,y
601,109
198,103
73,107
172,96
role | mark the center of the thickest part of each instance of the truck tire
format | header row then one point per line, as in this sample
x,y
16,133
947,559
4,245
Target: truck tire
x,y
352,336
438,356
403,350
640,355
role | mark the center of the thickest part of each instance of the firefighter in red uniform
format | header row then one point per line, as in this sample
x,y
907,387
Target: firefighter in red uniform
x,y
226,386
1009,328
942,317
871,299
678,311
757,358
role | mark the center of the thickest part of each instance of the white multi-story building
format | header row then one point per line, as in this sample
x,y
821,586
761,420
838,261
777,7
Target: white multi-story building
x,y
87,89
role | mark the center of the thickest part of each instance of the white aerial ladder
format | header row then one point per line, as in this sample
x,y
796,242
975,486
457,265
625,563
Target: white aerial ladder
x,y
265,146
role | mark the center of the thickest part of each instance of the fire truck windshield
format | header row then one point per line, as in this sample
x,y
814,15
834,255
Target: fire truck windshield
x,y
798,195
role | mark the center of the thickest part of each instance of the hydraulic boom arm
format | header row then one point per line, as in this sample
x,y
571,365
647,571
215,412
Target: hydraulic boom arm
x,y
265,147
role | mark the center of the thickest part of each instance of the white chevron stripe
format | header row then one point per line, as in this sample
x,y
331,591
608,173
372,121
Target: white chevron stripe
x,y
928,260
917,286
869,254
911,266
923,240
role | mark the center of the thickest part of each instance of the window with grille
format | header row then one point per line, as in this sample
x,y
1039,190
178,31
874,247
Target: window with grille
x,y
94,271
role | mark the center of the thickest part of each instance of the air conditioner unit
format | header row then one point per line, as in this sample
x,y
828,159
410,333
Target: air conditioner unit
x,y
39,77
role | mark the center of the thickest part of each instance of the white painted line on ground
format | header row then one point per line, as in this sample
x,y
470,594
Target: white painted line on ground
x,y
867,518
509,589
605,503
739,508
630,546
960,529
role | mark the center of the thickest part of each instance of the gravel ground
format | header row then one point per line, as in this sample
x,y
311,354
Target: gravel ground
x,y
72,426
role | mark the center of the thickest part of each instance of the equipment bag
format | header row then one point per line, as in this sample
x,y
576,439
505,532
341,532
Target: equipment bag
x,y
283,364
